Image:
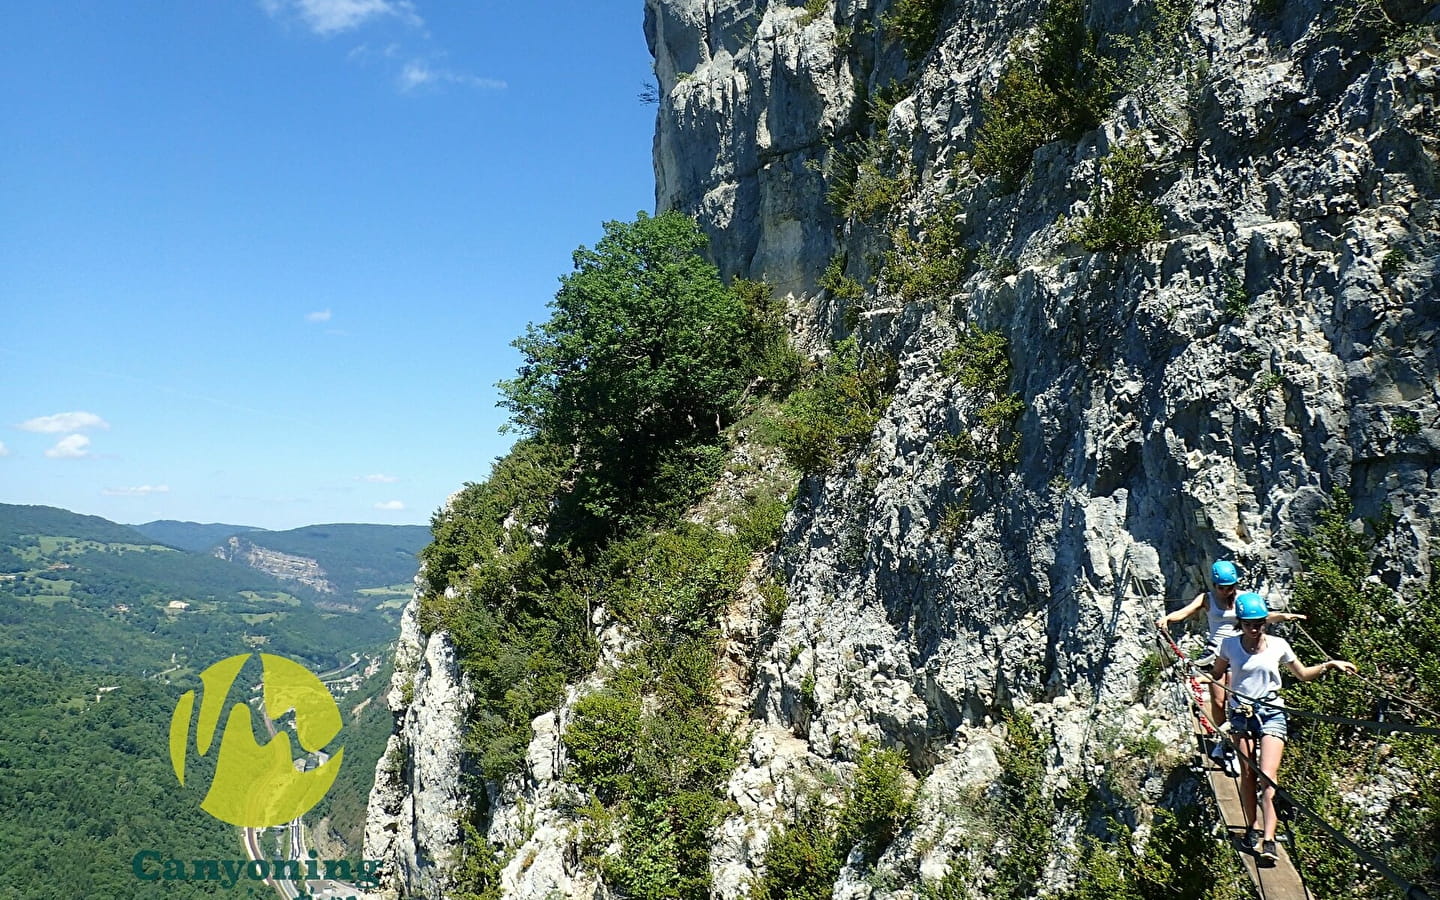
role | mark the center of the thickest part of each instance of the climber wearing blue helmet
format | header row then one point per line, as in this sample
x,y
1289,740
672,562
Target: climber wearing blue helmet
x,y
1257,715
1219,607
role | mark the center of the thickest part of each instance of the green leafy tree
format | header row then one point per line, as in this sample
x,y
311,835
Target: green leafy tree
x,y
645,356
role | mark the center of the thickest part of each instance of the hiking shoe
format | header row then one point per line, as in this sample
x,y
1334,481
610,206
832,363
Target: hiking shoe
x,y
1269,852
1252,838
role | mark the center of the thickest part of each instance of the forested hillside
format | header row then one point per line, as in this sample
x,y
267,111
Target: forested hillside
x,y
101,630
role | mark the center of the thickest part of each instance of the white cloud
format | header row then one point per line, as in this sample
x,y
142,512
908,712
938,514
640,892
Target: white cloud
x,y
418,73
378,479
321,316
143,490
327,17
367,54
66,421
72,447
4,451
390,506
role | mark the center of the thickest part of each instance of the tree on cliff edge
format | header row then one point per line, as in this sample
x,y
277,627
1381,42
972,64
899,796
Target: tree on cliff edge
x,y
639,367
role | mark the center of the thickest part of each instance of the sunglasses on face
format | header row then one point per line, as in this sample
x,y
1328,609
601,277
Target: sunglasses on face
x,y
1227,588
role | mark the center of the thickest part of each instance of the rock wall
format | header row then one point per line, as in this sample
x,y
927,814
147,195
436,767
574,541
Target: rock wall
x,y
272,562
419,801
1160,431
1293,168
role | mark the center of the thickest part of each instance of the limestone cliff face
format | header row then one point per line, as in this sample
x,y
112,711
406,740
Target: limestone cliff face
x,y
285,566
1295,180
419,800
1160,432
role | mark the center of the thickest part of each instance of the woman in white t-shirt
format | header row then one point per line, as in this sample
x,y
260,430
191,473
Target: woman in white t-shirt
x,y
1219,606
1253,660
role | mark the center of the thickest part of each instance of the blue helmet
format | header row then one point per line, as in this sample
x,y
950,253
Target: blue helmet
x,y
1224,572
1251,605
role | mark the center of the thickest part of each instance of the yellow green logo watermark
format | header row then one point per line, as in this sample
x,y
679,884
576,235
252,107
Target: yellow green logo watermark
x,y
258,785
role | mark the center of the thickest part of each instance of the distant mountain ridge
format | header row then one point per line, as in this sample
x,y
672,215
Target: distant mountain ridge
x,y
191,536
336,558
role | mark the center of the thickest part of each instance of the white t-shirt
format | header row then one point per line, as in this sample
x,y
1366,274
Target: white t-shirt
x,y
1256,674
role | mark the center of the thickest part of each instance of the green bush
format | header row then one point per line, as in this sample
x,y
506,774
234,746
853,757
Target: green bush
x,y
1057,89
673,583
997,264
1022,810
642,342
1236,298
774,602
1371,19
1141,58
1394,262
804,859
981,365
930,266
873,194
801,862
775,364
600,738
1406,425
980,362
814,9
1181,859
521,631
840,286
878,804
835,412
916,24
1267,383
470,530
648,867
758,525
881,103
858,185
1121,216
477,875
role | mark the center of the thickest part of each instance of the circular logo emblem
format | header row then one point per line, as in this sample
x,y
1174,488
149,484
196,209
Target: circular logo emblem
x,y
259,785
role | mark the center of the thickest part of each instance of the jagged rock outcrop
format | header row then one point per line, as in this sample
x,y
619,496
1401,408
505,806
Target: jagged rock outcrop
x,y
285,566
419,801
1194,397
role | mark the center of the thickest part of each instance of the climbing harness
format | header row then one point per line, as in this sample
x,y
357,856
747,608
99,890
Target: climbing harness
x,y
1271,701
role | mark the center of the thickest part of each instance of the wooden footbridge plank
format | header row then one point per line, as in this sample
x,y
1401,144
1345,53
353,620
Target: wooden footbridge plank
x,y
1277,881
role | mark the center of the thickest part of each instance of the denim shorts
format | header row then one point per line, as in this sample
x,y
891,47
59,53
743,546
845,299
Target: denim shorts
x,y
1265,720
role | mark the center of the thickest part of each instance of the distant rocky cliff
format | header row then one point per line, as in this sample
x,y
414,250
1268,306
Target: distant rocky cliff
x,y
286,566
1194,384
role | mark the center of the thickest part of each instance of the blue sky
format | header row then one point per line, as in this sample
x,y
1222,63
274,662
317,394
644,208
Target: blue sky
x,y
261,261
